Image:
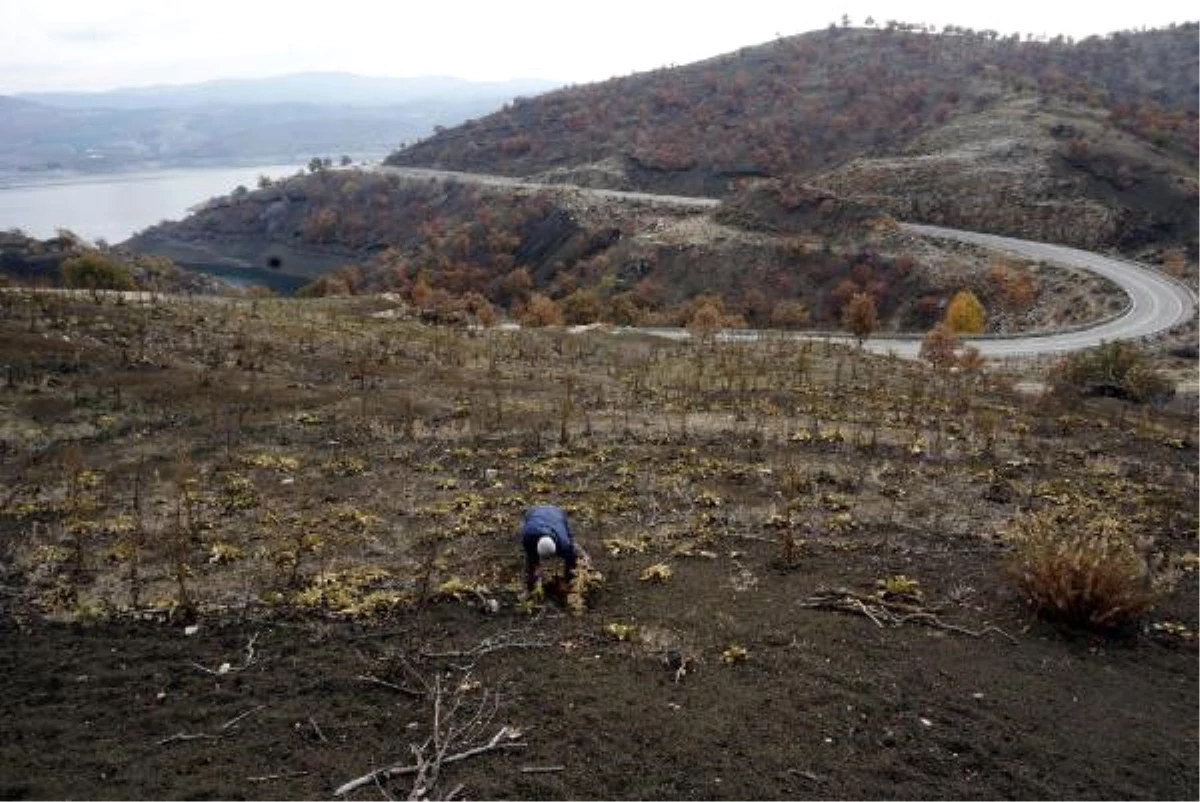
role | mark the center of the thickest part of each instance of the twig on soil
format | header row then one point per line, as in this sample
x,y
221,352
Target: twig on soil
x,y
226,668
504,640
867,612
287,775
317,730
386,684
884,612
189,736
240,716
186,736
383,790
249,652
748,536
541,769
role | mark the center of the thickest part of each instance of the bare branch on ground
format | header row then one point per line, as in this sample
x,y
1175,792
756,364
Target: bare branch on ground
x,y
386,684
890,612
240,716
453,728
512,639
226,668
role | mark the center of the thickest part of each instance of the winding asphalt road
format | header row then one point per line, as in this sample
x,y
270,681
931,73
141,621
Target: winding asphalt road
x,y
1157,302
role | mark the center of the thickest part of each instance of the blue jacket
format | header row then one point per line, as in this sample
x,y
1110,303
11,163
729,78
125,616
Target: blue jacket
x,y
540,522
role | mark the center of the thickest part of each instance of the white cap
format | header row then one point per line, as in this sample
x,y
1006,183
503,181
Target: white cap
x,y
546,547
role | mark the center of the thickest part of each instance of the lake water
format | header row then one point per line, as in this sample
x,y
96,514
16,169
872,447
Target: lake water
x,y
115,206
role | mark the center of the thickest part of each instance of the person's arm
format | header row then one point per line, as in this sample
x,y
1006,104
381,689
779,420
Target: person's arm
x,y
532,566
570,560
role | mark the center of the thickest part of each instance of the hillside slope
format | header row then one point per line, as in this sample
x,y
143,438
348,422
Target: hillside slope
x,y
778,254
1102,132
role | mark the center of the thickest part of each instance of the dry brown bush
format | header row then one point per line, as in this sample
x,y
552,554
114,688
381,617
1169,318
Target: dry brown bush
x,y
1083,567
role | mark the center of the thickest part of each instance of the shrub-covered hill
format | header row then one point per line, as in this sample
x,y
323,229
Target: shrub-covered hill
x,y
445,243
67,261
778,254
1091,142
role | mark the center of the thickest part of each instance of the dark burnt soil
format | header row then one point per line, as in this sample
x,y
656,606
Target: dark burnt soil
x,y
825,704
337,495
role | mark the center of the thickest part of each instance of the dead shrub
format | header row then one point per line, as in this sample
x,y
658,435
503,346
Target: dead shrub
x,y
1116,369
1082,567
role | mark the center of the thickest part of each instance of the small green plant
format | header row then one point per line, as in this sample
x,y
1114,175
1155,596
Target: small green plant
x,y
622,632
586,582
901,588
224,553
619,547
345,466
734,654
1082,567
659,572
1114,369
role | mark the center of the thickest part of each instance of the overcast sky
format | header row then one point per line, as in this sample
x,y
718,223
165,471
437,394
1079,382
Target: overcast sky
x,y
102,44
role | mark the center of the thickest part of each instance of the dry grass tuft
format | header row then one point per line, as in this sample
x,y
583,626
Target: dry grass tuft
x,y
1080,566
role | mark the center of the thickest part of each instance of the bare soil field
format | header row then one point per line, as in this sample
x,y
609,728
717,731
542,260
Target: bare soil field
x,y
267,549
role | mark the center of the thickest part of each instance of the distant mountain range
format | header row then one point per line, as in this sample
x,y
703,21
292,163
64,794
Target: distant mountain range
x,y
239,121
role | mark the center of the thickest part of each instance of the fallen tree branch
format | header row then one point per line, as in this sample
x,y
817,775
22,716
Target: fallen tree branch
x,y
494,643
541,769
506,738
890,612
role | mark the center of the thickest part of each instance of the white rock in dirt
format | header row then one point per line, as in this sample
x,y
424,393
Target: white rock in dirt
x,y
191,629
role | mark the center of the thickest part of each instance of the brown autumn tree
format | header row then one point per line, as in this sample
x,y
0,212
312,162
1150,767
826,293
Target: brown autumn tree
x,y
582,307
541,311
706,320
860,317
789,315
1174,261
939,346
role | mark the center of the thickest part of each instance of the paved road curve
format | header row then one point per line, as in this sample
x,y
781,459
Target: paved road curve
x,y
1156,302
508,181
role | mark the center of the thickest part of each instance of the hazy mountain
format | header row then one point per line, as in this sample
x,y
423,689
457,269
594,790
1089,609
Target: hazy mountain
x,y
282,119
322,88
